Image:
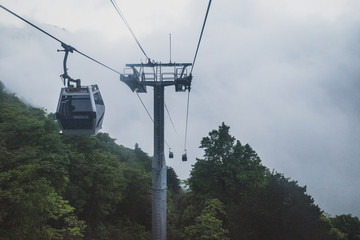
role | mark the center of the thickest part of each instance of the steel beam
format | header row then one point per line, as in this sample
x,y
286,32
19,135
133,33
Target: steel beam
x,y
159,168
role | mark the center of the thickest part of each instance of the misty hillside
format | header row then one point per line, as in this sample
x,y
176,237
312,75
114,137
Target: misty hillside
x,y
56,187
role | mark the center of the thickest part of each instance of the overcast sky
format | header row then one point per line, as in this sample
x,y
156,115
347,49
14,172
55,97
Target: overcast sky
x,y
284,75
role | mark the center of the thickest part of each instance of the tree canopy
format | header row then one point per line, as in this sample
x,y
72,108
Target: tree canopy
x,y
258,203
56,187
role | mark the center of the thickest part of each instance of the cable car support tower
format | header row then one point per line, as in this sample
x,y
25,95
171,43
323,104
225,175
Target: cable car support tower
x,y
158,75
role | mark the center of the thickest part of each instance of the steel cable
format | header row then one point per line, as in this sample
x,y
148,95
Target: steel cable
x,y
43,31
151,118
172,123
201,34
128,26
192,67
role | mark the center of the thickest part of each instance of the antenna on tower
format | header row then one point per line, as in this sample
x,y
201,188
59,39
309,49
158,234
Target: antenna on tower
x,y
170,45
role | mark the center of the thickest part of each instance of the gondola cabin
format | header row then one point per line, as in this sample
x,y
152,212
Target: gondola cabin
x,y
171,154
184,157
80,111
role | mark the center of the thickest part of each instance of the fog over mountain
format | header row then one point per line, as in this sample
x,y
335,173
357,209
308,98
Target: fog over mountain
x,y
283,75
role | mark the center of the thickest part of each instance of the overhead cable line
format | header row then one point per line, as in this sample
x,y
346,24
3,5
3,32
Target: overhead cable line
x,y
62,43
128,26
142,49
202,31
144,107
187,118
192,67
172,123
97,61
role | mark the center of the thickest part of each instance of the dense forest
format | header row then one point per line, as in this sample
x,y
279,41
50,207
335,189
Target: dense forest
x,y
58,187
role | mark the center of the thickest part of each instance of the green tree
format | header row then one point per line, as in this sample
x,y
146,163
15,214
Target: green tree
x,y
96,183
143,158
348,225
1,91
228,169
258,204
208,225
58,187
109,187
31,209
173,182
33,176
280,211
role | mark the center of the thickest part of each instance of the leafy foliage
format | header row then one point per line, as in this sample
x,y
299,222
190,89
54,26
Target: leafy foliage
x,y
55,187
228,170
346,226
258,204
32,176
207,225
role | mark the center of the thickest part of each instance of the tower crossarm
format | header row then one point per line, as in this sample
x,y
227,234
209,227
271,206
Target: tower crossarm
x,y
140,75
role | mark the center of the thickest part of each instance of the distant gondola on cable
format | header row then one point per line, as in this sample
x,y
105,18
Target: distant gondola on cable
x,y
81,109
184,157
171,154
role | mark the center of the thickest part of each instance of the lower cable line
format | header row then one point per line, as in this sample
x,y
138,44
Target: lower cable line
x,y
151,118
172,123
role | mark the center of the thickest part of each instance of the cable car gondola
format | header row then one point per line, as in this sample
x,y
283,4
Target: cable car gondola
x,y
184,157
171,154
81,109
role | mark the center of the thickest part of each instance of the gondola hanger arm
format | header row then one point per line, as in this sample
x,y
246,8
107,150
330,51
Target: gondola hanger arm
x,y
65,76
